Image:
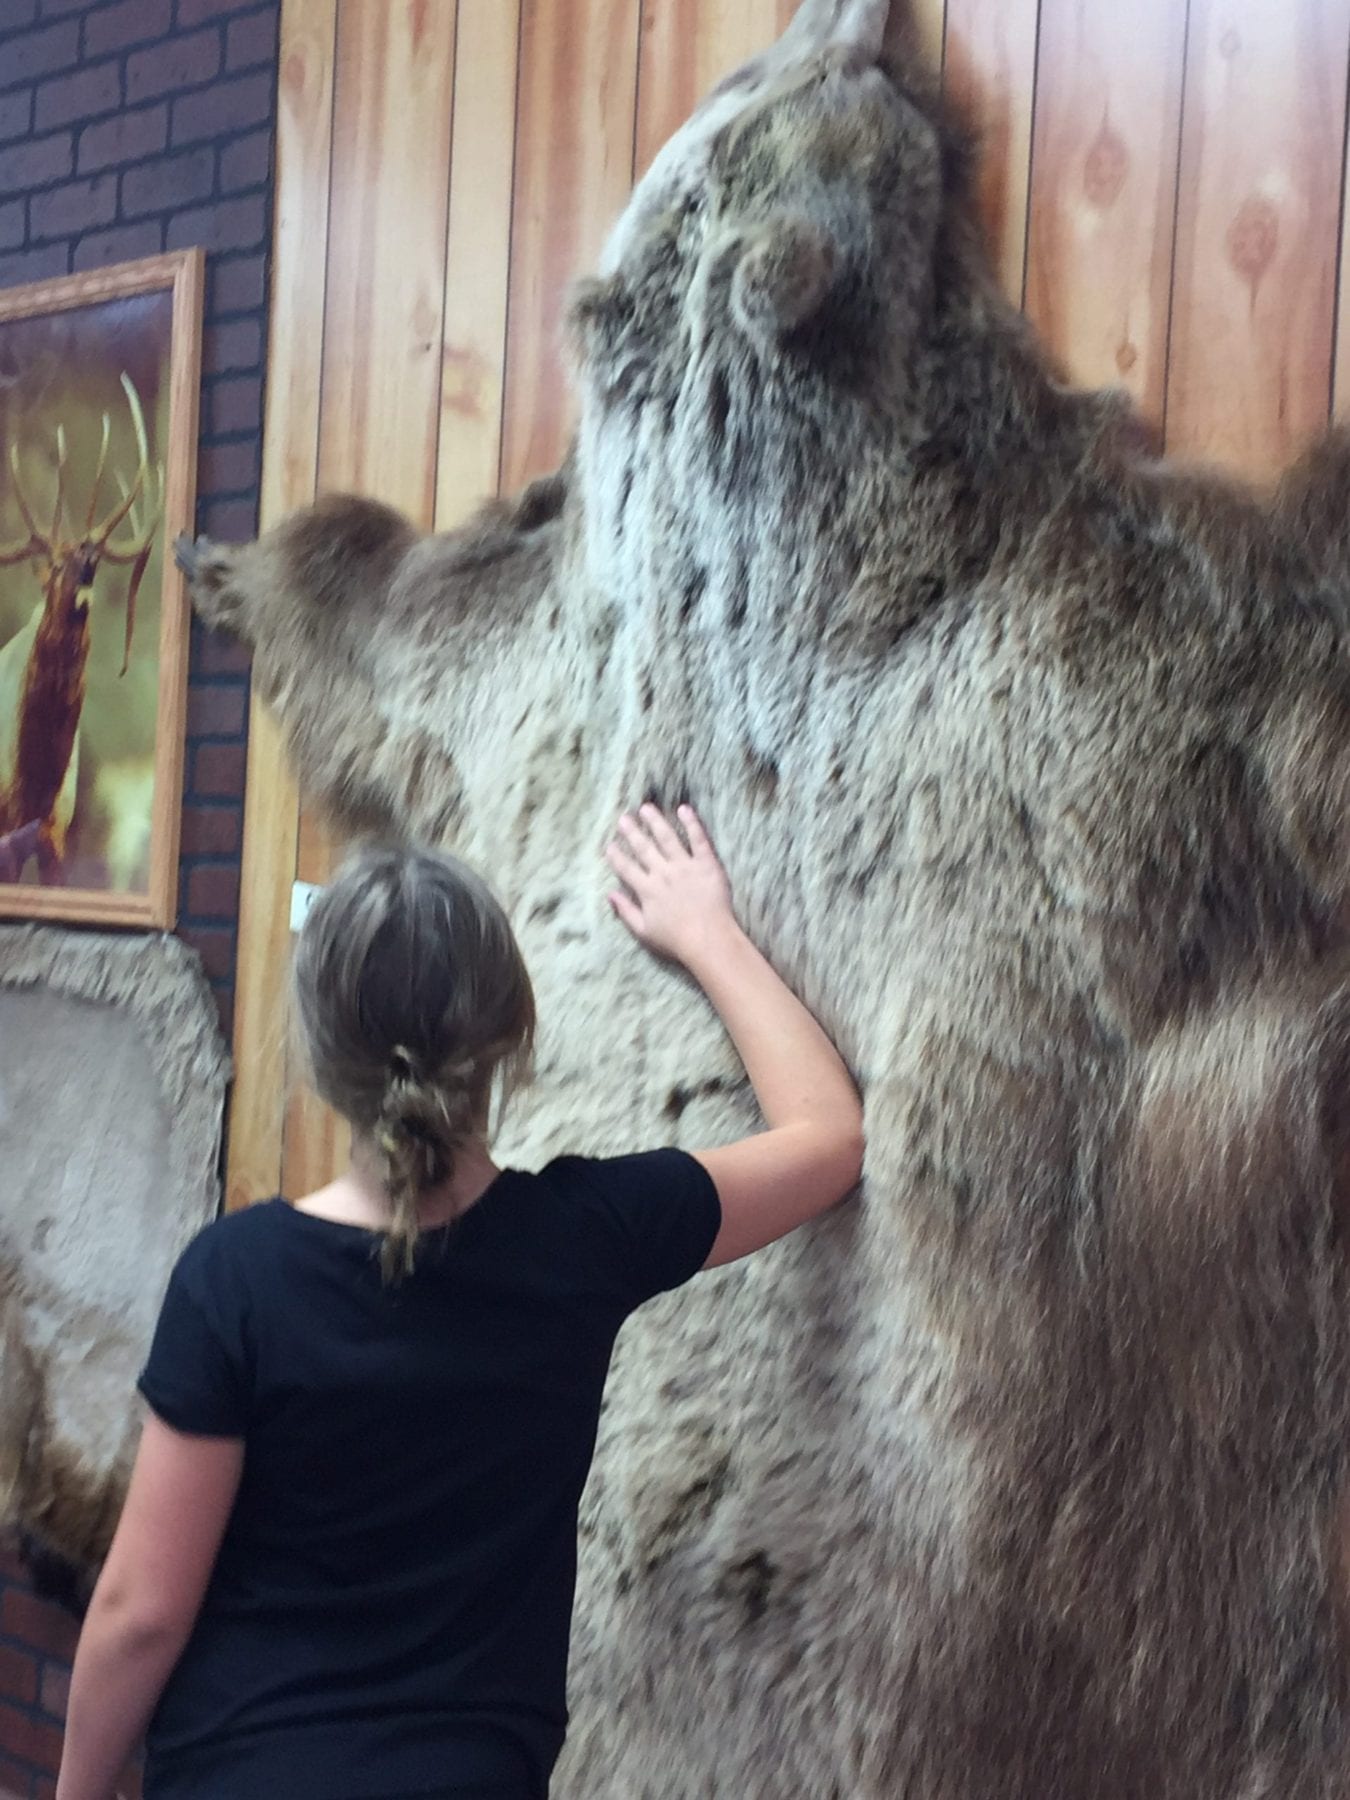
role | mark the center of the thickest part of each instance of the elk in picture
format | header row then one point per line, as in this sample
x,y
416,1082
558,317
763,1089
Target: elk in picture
x,y
43,667
98,425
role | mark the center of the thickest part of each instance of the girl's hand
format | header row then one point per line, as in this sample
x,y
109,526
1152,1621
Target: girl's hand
x,y
676,898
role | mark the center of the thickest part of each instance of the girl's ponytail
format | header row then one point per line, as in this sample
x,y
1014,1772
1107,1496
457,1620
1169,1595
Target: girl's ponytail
x,y
422,1126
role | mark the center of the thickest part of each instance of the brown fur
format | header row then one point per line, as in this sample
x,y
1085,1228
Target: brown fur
x,y
1029,755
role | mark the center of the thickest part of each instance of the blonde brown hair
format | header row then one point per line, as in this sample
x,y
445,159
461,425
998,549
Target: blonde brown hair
x,y
412,1001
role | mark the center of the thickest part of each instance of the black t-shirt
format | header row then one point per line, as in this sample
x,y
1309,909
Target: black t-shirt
x,y
390,1610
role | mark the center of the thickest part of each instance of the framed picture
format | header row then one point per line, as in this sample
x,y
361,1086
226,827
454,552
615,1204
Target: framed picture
x,y
99,384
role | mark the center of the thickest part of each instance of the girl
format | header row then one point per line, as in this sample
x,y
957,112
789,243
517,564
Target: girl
x,y
346,1562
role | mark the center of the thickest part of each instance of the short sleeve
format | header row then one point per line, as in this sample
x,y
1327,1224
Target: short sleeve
x,y
196,1377
660,1215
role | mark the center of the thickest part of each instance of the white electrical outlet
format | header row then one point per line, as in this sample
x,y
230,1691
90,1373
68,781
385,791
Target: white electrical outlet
x,y
303,896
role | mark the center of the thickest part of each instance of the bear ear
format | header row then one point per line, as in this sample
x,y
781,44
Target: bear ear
x,y
784,279
594,302
598,316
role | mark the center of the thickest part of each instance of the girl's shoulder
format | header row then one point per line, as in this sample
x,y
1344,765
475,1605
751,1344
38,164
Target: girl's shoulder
x,y
246,1225
651,1219
232,1239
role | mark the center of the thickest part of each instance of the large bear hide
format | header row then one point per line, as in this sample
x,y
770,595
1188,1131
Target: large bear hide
x,y
1028,755
112,1093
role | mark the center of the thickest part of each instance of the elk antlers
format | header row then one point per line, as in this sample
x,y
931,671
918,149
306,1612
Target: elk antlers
x,y
151,482
35,544
98,543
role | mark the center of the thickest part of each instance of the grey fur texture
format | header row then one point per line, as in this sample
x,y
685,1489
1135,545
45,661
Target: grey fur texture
x,y
1028,753
112,1094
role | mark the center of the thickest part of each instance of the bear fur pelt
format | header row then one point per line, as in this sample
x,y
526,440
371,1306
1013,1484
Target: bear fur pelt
x,y
1029,755
112,1094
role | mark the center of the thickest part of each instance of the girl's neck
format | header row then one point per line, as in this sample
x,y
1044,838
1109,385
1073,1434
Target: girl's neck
x,y
357,1198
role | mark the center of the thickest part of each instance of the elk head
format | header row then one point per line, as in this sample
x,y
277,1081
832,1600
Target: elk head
x,y
67,564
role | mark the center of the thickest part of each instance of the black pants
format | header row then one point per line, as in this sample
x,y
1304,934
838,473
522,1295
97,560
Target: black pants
x,y
480,1790
495,1792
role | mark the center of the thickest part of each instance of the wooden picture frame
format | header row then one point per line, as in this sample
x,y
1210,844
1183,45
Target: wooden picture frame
x,y
105,850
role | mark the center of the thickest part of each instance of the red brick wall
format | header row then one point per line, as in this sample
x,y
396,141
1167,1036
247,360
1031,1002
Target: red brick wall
x,y
128,127
37,1642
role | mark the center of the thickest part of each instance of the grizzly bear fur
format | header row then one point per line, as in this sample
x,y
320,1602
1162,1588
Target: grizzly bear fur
x,y
1028,755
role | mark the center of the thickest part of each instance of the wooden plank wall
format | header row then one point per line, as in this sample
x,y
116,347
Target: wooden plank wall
x,y
1163,182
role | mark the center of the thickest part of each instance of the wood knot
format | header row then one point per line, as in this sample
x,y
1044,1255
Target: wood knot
x,y
1230,44
426,323
1127,358
465,381
1253,238
1107,165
